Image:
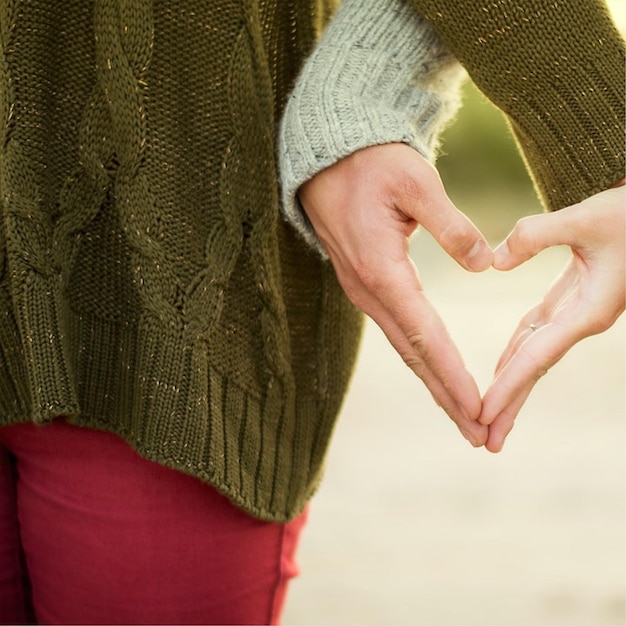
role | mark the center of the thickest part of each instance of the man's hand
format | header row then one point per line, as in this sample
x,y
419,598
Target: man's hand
x,y
586,299
364,209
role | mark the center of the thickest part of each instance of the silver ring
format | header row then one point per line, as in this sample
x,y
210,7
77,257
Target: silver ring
x,y
533,327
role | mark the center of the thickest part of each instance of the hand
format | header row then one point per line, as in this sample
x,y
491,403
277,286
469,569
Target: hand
x,y
364,209
586,299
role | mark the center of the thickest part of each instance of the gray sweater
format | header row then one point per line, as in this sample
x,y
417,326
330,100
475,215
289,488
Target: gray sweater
x,y
380,74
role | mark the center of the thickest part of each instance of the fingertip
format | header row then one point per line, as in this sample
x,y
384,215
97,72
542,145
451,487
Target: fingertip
x,y
479,444
494,447
476,441
485,420
474,414
499,430
476,435
495,441
468,402
487,414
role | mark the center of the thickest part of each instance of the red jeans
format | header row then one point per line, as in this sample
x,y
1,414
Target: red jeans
x,y
91,533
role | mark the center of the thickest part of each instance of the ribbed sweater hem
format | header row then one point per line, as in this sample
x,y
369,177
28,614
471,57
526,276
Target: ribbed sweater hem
x,y
197,429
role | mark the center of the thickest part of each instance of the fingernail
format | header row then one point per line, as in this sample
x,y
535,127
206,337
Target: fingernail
x,y
480,256
472,440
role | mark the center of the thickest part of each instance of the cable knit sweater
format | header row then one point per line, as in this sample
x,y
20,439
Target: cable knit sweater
x,y
147,284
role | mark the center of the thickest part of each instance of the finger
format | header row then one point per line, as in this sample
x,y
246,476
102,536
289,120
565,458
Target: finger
x,y
536,355
530,354
443,395
579,226
539,315
535,233
416,331
424,199
503,424
392,296
405,303
528,324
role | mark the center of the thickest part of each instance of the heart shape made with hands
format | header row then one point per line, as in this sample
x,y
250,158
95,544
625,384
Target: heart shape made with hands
x,y
365,208
481,310
586,298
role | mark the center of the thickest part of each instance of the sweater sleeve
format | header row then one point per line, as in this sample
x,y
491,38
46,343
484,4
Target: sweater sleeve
x,y
379,75
556,69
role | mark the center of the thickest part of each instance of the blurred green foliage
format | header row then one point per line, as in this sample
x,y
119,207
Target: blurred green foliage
x,y
482,169
480,146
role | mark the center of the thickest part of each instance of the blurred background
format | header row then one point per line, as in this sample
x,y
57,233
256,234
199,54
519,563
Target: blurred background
x,y
412,525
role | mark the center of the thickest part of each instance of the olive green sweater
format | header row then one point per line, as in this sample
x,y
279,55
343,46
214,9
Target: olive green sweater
x,y
556,68
147,284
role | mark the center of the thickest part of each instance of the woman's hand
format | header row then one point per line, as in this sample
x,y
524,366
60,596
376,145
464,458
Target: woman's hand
x,y
364,209
586,299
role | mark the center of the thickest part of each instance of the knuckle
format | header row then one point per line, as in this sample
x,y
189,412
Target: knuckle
x,y
418,342
541,366
523,235
413,356
415,364
537,367
458,237
370,278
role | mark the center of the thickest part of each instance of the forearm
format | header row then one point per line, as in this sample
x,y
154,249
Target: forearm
x,y
556,69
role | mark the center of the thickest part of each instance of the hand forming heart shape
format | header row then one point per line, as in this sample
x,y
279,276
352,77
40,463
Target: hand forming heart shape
x,y
586,299
364,209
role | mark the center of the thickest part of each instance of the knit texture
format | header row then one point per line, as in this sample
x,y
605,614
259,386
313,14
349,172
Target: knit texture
x,y
565,107
379,75
148,286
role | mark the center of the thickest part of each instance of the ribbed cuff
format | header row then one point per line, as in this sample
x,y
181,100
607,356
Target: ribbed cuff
x,y
379,75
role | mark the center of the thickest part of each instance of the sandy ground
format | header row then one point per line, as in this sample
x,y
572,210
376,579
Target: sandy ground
x,y
413,526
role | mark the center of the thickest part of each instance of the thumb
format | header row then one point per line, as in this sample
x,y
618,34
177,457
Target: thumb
x,y
431,207
535,233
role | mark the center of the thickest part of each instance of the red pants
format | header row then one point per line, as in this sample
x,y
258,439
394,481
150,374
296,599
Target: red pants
x,y
91,533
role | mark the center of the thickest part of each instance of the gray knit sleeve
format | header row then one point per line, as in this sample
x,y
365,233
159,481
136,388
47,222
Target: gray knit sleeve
x,y
380,74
